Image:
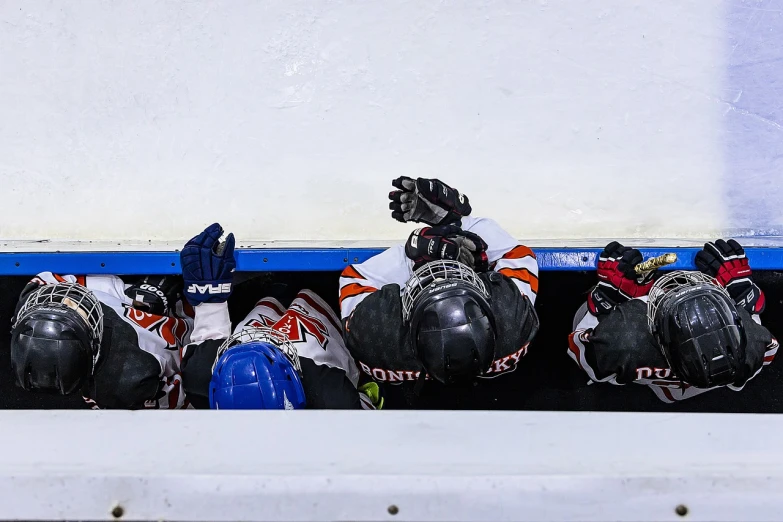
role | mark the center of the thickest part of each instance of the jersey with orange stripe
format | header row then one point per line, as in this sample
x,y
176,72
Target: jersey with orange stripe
x,y
506,256
370,303
139,365
329,374
619,349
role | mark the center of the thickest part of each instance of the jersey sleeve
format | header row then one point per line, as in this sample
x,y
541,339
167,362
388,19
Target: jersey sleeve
x,y
508,256
211,321
107,284
360,280
611,350
327,387
760,349
197,371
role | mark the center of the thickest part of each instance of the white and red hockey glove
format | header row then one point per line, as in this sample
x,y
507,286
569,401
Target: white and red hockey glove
x,y
617,281
727,263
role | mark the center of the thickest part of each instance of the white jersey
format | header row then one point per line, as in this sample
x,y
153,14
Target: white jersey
x,y
505,254
643,363
163,337
311,326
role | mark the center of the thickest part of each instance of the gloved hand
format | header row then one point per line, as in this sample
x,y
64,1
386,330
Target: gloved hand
x,y
448,242
727,263
617,281
373,392
208,266
155,294
427,201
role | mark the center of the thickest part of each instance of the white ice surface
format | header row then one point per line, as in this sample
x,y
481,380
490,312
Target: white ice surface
x,y
287,120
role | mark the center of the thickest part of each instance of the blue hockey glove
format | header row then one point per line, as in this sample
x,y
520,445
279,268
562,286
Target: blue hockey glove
x,y
208,266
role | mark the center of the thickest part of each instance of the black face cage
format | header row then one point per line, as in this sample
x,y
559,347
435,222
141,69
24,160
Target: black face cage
x,y
436,272
264,335
67,296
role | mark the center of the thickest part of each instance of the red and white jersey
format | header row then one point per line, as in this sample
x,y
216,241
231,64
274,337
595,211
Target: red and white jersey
x,y
311,326
595,351
506,255
163,337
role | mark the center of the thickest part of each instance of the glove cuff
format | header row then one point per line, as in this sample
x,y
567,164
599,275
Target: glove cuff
x,y
603,298
746,294
216,291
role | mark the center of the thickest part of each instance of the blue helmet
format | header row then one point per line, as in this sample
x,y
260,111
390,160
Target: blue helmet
x,y
255,375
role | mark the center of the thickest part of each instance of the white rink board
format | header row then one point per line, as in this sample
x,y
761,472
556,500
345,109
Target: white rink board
x,y
330,465
145,120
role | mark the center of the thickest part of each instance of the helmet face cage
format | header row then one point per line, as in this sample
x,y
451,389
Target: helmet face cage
x,y
68,296
264,335
672,281
436,272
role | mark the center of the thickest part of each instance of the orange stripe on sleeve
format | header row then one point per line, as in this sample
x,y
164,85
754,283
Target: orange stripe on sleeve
x,y
59,278
523,274
350,271
519,252
354,289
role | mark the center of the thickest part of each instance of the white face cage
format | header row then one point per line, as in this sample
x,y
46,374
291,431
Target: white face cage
x,y
68,296
436,272
264,335
673,281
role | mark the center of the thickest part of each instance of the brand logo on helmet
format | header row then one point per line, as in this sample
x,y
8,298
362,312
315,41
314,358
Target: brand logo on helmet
x,y
440,288
153,290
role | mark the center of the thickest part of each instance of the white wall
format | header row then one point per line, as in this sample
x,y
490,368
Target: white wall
x,y
288,119
429,465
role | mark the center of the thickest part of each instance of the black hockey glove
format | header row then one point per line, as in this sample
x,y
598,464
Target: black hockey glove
x,y
727,263
208,266
447,242
617,281
427,201
156,295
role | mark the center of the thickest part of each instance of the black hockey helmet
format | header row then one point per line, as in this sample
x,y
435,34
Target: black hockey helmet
x,y
451,324
698,329
55,340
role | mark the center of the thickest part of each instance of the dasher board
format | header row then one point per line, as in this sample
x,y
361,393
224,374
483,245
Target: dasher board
x,y
329,465
31,257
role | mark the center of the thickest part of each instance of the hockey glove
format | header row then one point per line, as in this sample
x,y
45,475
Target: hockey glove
x,y
727,263
617,281
447,242
208,266
373,393
427,201
155,294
